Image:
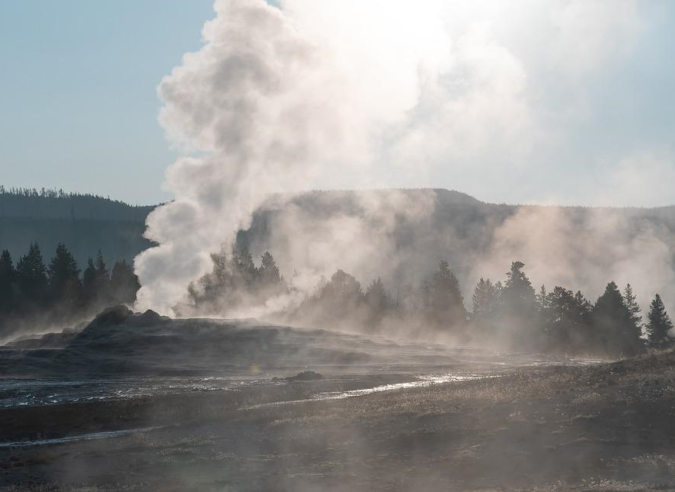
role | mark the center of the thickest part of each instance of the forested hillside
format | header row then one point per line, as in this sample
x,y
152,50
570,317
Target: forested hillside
x,y
85,223
399,236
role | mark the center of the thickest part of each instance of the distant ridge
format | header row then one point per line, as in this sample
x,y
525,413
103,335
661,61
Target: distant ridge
x,y
84,223
56,204
445,224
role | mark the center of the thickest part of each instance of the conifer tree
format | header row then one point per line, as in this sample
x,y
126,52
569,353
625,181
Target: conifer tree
x,y
89,283
31,277
542,298
582,338
343,289
584,313
102,280
584,306
557,310
518,294
244,267
485,300
518,308
566,320
268,273
7,279
445,297
377,300
614,327
64,278
124,284
633,307
660,324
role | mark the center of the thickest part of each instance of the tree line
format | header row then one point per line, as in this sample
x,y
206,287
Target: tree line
x,y
59,292
567,321
507,312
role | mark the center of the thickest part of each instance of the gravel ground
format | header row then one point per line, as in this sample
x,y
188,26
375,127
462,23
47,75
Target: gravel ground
x,y
602,427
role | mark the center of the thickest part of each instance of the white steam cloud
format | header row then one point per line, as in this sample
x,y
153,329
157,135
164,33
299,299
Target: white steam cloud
x,y
273,98
353,93
584,249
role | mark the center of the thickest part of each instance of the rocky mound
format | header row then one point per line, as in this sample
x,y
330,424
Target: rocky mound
x,y
119,341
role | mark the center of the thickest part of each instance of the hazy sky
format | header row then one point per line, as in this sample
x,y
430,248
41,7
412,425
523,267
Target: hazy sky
x,y
552,101
78,103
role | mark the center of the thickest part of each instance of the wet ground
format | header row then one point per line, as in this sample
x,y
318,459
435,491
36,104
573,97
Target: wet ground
x,y
385,416
386,428
28,392
600,427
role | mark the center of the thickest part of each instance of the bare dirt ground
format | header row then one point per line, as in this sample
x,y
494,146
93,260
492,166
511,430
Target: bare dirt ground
x,y
604,427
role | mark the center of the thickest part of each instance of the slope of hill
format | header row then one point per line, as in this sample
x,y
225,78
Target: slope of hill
x,y
47,204
118,342
399,235
84,223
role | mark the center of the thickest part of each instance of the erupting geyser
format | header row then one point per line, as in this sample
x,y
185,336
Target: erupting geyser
x,y
276,100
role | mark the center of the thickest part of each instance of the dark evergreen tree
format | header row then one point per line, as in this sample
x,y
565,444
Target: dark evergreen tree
x,y
34,292
230,284
234,282
246,271
446,302
544,306
518,294
377,301
124,284
557,310
102,279
585,310
89,284
499,288
615,331
583,305
518,310
565,318
542,298
660,325
485,304
583,339
343,289
64,279
269,276
630,299
7,279
485,299
31,278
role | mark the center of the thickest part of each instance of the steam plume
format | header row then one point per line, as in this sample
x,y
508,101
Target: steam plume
x,y
352,93
269,102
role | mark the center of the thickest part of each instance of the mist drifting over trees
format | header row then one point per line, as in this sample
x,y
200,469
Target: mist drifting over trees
x,y
399,262
37,295
84,222
505,314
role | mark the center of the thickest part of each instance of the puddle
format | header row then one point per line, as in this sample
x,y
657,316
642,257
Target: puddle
x,y
424,381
